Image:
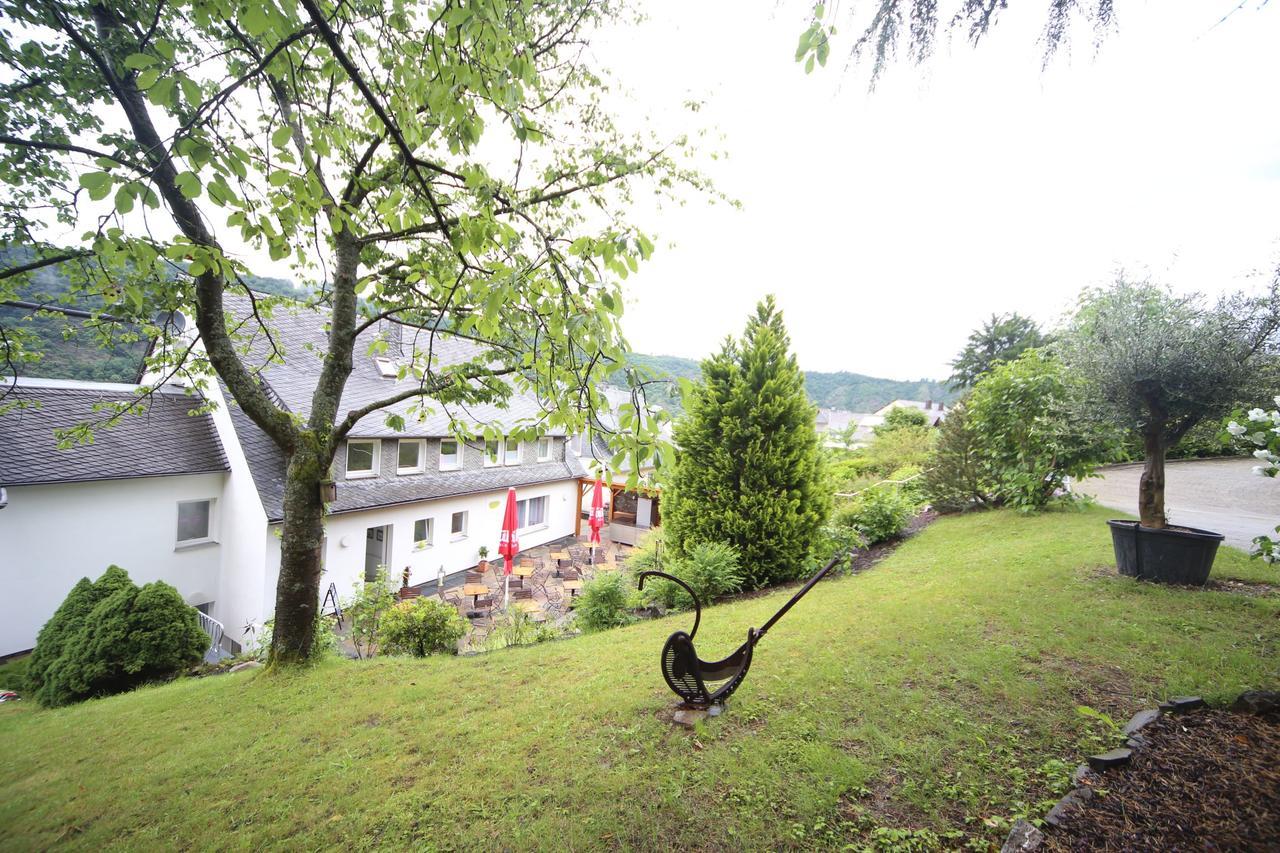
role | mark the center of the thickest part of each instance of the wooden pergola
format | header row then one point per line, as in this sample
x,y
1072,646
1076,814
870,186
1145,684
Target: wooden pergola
x,y
585,484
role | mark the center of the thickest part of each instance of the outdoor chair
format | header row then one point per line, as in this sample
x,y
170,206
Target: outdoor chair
x,y
515,582
474,577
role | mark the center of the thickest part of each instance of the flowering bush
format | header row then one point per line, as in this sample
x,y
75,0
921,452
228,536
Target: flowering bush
x,y
1262,430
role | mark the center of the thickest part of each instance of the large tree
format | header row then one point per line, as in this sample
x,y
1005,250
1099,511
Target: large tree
x,y
1155,364
749,469
448,165
1004,337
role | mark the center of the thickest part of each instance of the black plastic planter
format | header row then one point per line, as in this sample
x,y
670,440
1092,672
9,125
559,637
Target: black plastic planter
x,y
1181,555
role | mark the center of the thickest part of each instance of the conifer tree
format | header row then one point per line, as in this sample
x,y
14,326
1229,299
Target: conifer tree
x,y
749,467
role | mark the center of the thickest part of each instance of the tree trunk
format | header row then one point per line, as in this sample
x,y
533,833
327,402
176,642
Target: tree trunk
x,y
298,589
1151,486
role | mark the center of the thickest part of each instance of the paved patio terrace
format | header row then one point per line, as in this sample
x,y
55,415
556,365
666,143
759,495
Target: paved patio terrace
x,y
549,599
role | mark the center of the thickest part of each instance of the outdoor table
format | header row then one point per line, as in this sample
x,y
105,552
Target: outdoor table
x,y
523,571
475,590
529,606
573,587
559,555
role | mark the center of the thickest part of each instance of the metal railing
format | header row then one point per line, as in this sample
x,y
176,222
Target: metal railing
x,y
214,629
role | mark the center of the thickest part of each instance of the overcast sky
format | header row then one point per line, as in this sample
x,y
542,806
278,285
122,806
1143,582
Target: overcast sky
x,y
890,224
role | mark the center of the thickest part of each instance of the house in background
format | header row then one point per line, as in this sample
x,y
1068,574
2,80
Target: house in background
x,y
148,495
842,429
420,501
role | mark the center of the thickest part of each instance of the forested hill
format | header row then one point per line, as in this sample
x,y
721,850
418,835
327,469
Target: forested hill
x,y
68,353
842,390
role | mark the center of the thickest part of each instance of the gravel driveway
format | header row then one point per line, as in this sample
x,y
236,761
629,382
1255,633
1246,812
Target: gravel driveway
x,y
1222,495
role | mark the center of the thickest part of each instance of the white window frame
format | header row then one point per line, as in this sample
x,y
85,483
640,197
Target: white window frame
x,y
495,460
457,454
527,502
210,531
422,544
550,444
462,534
377,458
508,452
422,456
387,366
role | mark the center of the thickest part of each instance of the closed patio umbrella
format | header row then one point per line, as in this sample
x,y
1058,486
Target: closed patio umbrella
x,y
508,544
597,516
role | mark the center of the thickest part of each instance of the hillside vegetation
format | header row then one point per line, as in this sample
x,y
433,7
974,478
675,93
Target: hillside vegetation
x,y
842,390
69,350
929,700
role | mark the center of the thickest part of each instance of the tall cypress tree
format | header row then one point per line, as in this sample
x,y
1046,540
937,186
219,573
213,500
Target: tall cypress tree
x,y
749,467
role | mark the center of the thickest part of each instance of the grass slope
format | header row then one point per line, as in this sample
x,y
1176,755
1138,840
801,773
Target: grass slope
x,y
934,694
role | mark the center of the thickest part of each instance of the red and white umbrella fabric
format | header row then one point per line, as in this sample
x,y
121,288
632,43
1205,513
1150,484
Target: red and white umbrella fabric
x,y
508,544
597,512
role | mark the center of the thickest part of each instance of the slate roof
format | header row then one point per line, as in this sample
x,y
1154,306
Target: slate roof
x,y
299,334
356,495
163,441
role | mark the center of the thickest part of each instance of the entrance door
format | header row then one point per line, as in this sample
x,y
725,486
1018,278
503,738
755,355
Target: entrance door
x,y
377,547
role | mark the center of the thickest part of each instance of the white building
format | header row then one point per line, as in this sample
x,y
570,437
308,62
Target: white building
x,y
833,425
197,500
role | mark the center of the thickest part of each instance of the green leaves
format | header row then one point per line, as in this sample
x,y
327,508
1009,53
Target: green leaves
x,y
254,19
98,184
188,184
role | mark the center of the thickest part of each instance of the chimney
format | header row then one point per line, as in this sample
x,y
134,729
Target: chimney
x,y
928,404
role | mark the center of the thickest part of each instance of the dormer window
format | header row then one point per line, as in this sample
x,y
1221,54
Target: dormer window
x,y
362,458
510,452
386,366
450,455
544,449
409,456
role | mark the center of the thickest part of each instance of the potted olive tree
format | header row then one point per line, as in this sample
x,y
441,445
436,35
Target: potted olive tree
x,y
1156,364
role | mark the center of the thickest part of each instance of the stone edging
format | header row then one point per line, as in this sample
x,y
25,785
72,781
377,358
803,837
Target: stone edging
x,y
1025,836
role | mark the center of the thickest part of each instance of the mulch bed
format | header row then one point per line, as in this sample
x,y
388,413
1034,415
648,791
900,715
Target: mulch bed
x,y
1208,780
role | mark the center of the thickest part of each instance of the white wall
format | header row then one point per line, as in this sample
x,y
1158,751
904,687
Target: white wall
x,y
51,536
242,594
345,534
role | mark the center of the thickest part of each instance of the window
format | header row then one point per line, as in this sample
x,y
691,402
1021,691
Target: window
x,y
544,449
450,455
492,453
195,522
423,529
409,456
531,512
510,452
458,525
362,458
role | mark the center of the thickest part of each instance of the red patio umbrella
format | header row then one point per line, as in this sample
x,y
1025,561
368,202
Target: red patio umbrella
x,y
596,519
508,544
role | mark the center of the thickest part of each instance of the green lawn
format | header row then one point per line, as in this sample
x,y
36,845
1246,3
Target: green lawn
x,y
934,694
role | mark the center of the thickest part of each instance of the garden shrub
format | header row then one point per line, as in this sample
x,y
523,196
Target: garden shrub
x,y
129,637
956,477
67,621
834,539
421,626
878,513
517,628
910,482
365,609
604,603
712,569
1031,435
